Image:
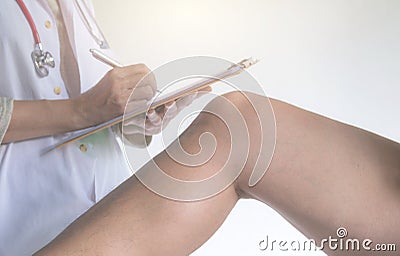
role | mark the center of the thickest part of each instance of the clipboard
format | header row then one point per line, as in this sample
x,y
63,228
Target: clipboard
x,y
159,101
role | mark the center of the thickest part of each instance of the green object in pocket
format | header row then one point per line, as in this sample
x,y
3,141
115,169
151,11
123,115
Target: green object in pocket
x,y
99,138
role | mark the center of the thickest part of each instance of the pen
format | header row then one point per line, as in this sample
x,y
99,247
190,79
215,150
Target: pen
x,y
232,71
105,59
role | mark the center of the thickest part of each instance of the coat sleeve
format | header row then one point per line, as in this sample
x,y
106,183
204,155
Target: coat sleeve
x,y
6,107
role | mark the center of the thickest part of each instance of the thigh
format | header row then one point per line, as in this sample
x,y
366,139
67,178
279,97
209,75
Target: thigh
x,y
325,175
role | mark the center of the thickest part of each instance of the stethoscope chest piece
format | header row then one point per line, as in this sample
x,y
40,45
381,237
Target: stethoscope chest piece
x,y
42,61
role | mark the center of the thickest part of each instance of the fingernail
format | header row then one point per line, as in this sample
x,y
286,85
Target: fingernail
x,y
151,113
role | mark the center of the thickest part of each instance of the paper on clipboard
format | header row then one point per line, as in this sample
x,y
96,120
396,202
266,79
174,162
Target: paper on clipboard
x,y
159,101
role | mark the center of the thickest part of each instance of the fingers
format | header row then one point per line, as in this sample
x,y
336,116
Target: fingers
x,y
112,95
154,118
142,93
132,71
154,121
150,124
170,111
134,126
157,120
140,76
133,76
136,83
135,104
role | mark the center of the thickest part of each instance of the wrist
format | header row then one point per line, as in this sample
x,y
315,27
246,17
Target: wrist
x,y
79,114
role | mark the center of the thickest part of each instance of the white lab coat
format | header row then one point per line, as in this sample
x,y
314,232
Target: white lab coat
x,y
40,194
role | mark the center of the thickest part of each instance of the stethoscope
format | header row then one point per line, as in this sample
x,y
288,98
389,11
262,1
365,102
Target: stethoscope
x,y
43,60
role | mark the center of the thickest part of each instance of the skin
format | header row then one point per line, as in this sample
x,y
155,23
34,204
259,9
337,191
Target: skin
x,y
323,175
121,89
107,99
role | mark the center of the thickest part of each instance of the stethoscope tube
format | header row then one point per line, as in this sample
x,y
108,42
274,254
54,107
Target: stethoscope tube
x,y
42,60
29,18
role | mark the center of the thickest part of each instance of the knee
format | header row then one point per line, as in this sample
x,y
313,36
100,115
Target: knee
x,y
217,114
218,118
220,146
234,114
243,124
228,103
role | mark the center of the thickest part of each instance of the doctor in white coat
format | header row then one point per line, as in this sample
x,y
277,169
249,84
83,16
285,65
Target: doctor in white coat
x,y
41,194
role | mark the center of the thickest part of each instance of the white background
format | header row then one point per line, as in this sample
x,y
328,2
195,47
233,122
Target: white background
x,y
337,58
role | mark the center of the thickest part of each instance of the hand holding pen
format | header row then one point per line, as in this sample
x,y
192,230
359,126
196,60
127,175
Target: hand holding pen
x,y
137,94
108,98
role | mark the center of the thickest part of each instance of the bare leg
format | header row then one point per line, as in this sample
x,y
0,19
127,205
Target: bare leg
x,y
327,175
324,175
132,220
